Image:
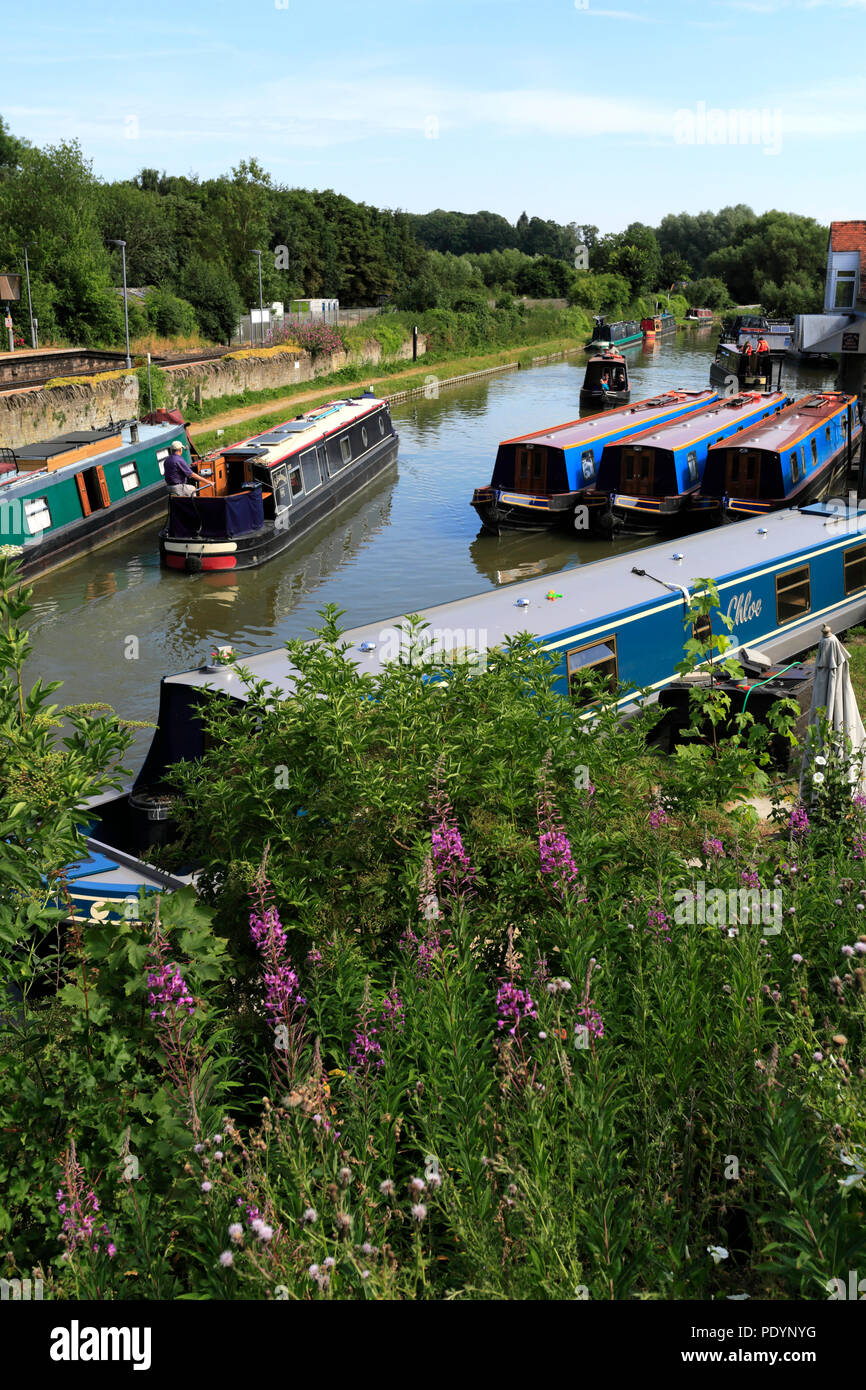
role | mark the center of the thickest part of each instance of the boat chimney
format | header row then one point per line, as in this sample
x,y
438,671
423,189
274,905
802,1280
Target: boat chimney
x,y
133,432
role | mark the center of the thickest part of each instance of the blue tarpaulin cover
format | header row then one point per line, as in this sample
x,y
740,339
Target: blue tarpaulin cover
x,y
216,517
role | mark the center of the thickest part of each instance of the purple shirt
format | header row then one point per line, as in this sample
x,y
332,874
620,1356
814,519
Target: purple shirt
x,y
177,470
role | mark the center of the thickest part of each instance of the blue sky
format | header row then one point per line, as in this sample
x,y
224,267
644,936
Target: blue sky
x,y
579,110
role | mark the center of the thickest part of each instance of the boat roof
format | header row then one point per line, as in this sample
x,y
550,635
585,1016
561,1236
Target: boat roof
x,y
796,422
595,427
678,434
588,594
274,444
147,435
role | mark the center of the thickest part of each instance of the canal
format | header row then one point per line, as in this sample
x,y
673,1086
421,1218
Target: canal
x,y
111,624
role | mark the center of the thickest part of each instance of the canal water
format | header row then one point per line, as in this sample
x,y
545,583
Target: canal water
x,y
111,624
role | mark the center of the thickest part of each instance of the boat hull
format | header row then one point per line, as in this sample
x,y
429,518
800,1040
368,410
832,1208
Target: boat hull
x,y
603,400
499,510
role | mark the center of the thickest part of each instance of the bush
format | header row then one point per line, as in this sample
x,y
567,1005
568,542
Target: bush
x,y
168,315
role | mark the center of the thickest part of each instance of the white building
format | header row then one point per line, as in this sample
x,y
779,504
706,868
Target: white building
x,y
841,329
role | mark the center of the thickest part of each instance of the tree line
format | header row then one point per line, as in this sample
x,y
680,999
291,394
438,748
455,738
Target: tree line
x,y
190,242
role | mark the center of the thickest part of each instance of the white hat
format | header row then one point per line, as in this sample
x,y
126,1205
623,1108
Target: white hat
x,y
175,444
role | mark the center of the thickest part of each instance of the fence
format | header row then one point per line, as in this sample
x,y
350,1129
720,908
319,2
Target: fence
x,y
251,331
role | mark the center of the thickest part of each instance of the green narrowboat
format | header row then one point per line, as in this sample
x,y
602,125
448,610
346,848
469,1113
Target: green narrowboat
x,y
68,495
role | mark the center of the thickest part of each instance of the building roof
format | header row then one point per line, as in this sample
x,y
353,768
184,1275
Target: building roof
x,y
849,236
593,428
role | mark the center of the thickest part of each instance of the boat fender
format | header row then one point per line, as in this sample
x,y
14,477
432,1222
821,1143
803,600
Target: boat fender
x,y
193,564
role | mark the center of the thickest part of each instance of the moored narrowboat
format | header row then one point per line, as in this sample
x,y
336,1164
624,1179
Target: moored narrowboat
x,y
622,618
539,479
658,326
800,455
700,316
68,495
271,489
605,381
652,478
614,335
735,371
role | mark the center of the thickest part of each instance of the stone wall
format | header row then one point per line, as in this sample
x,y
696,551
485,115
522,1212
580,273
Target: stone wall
x,y
262,369
29,416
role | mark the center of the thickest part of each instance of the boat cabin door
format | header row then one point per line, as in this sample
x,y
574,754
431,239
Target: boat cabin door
x,y
92,489
530,470
322,455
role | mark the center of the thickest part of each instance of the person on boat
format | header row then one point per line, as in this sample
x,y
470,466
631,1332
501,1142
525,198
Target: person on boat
x,y
179,475
605,382
747,348
763,345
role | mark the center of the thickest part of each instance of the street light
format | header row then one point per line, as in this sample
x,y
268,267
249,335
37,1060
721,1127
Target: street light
x,y
261,302
29,300
122,245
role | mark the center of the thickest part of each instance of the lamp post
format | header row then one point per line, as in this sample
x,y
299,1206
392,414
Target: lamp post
x,y
261,302
122,245
29,299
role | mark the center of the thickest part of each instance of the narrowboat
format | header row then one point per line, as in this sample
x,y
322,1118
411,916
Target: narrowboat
x,y
614,335
540,478
735,371
80,490
658,326
652,477
271,489
748,328
800,455
605,381
700,316
622,618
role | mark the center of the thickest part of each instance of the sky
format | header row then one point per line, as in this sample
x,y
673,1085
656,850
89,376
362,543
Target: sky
x,y
576,110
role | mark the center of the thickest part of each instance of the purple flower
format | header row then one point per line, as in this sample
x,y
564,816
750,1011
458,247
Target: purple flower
x,y
419,1211
590,1020
392,1013
227,1259
514,1004
658,817
554,846
427,951
365,1051
168,994
750,878
713,848
659,924
798,822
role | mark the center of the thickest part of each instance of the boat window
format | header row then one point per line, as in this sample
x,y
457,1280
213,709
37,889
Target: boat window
x,y
827,434
282,491
597,657
364,435
346,449
129,477
587,463
37,515
795,468
161,456
310,466
702,629
692,462
844,425
855,569
814,451
295,477
793,594
381,425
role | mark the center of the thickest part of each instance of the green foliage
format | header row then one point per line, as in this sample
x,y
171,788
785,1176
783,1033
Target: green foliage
x,y
532,1075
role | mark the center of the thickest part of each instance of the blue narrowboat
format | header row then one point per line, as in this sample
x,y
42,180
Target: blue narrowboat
x,y
623,618
800,455
539,478
651,478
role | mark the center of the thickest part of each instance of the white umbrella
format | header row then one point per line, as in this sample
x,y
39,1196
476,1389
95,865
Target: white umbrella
x,y
833,694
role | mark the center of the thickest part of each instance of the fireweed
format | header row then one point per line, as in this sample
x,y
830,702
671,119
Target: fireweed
x,y
283,1002
453,871
554,848
173,1014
